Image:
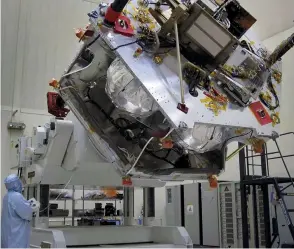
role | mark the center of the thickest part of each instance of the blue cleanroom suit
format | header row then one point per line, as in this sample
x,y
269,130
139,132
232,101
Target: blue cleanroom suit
x,y
16,215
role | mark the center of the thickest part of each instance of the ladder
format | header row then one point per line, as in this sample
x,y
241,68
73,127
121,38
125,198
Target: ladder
x,y
264,180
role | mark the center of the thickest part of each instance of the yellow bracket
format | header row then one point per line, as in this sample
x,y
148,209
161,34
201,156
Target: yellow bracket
x,y
275,119
277,75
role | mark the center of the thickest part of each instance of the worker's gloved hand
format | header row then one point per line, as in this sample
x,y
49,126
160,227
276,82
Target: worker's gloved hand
x,y
35,205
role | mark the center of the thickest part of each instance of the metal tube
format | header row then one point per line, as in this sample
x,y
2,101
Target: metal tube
x,y
266,157
281,50
73,207
179,62
287,133
252,161
235,152
263,162
254,156
278,157
272,153
286,187
247,160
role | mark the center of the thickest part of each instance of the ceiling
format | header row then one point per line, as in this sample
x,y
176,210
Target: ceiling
x,y
272,16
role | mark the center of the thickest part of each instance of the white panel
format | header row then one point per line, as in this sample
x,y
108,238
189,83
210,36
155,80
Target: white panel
x,y
191,205
232,172
173,206
213,30
204,40
9,36
138,202
210,215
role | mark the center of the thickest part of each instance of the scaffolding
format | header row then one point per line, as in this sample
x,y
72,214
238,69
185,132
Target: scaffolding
x,y
247,160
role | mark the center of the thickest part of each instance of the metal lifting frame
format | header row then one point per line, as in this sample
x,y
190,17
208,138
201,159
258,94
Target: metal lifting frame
x,y
263,181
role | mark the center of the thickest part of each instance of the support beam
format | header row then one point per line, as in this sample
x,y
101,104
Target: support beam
x,y
148,206
129,206
243,194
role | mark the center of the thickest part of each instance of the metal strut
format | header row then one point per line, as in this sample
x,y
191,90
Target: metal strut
x,y
284,163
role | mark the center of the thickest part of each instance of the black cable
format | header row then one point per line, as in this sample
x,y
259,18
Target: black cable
x,y
167,42
273,92
160,158
225,143
120,128
145,125
167,154
109,118
160,150
124,45
91,43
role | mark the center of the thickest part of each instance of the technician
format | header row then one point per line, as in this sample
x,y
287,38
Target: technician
x,y
16,215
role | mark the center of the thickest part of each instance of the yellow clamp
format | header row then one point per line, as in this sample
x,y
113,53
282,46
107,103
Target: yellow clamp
x,y
206,100
228,68
267,96
158,59
99,23
277,75
275,119
214,107
239,131
152,26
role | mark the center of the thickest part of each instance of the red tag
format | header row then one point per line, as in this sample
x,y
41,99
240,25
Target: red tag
x,y
260,113
212,181
127,181
123,26
183,108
